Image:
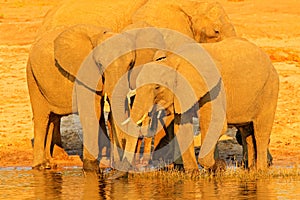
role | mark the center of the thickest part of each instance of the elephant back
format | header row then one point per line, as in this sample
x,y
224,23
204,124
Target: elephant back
x,y
245,70
113,14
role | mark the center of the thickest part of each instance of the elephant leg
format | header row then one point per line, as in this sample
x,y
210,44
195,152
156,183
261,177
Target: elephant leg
x,y
270,159
40,157
164,142
251,151
158,137
53,135
104,138
56,138
116,141
48,141
185,137
205,122
89,118
163,149
147,150
262,131
245,138
40,120
138,150
130,149
265,119
245,149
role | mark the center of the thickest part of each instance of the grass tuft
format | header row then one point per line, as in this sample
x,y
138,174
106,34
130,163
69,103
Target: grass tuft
x,y
230,173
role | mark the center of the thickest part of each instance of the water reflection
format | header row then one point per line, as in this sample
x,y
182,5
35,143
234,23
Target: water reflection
x,y
46,183
247,189
75,184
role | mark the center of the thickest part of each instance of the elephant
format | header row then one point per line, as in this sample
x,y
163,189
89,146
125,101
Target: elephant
x,y
112,14
202,20
70,46
52,72
97,13
251,86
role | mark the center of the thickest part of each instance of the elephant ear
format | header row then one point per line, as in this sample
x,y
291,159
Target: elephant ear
x,y
73,45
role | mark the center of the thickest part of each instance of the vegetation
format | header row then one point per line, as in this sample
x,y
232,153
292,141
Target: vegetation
x,y
202,174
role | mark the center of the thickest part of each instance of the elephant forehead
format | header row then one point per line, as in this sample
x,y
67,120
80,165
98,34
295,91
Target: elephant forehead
x,y
156,73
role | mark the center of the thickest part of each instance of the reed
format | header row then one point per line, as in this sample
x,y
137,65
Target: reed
x,y
230,173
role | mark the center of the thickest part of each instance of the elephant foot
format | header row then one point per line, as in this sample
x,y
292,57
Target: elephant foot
x,y
122,168
244,164
178,167
91,165
218,167
45,165
124,165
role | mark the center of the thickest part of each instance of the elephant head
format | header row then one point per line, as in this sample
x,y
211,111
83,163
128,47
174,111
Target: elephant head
x,y
201,20
211,23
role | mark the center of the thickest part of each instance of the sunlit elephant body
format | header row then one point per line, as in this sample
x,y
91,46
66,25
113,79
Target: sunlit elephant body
x,y
112,14
251,86
50,102
204,21
51,79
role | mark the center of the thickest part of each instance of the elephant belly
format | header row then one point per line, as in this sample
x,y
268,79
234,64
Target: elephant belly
x,y
241,106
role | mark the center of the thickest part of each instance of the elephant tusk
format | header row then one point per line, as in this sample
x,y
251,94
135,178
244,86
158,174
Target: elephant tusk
x,y
159,114
106,104
126,121
130,94
142,119
159,55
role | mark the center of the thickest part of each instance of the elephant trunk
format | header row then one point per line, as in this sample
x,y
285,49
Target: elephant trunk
x,y
138,112
142,104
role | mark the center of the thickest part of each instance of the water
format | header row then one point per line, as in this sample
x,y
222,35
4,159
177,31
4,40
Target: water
x,y
73,183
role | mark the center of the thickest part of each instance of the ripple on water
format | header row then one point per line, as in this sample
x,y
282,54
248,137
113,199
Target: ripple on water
x,y
73,183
